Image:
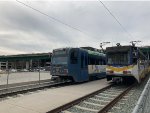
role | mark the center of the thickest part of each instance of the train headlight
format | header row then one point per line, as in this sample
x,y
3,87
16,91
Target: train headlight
x,y
110,72
126,72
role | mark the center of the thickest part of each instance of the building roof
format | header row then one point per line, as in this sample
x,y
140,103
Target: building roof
x,y
35,56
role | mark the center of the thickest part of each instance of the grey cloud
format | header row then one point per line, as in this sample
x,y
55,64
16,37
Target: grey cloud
x,y
23,29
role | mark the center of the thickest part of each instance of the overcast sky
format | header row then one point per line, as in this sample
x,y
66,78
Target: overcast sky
x,y
23,30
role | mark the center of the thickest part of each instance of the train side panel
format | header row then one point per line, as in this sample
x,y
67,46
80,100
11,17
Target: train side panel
x,y
137,71
77,64
97,70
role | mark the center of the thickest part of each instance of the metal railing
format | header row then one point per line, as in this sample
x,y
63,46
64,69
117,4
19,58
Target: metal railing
x,y
12,72
143,104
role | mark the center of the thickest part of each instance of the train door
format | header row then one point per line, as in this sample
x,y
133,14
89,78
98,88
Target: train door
x,y
73,66
84,66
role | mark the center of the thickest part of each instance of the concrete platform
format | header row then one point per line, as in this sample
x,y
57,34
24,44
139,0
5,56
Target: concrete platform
x,y
43,101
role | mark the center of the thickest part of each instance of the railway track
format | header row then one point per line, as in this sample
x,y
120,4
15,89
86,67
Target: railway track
x,y
20,88
99,101
23,83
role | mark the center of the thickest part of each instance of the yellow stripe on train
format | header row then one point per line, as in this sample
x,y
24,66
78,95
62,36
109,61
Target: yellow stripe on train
x,y
119,69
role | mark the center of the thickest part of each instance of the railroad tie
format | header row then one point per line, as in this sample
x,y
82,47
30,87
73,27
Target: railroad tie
x,y
85,108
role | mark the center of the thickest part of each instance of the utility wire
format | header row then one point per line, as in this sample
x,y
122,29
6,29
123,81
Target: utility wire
x,y
115,19
59,21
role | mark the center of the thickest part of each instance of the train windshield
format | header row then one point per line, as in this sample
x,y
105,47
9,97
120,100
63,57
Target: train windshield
x,y
59,60
59,57
118,58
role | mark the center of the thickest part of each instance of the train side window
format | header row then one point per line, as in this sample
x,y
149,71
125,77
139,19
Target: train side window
x,y
104,62
134,60
74,57
86,60
92,61
100,62
97,61
82,60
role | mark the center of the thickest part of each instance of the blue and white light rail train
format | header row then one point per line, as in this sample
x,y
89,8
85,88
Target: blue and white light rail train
x,y
127,63
78,64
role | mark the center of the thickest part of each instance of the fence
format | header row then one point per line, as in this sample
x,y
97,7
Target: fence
x,y
23,71
143,104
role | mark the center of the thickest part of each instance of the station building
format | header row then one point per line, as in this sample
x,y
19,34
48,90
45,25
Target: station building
x,y
25,61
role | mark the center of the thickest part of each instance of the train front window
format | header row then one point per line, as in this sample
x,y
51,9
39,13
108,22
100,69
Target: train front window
x,y
60,56
118,58
59,60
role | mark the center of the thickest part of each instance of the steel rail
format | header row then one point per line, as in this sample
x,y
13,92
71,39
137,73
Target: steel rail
x,y
115,100
28,88
103,110
77,101
22,83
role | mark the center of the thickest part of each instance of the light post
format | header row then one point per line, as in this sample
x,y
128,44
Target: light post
x,y
39,71
7,68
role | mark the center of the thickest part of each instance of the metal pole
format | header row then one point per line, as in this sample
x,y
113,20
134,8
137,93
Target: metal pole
x,y
7,73
39,71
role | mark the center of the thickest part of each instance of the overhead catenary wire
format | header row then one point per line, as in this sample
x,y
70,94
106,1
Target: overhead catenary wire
x,y
116,19
53,18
